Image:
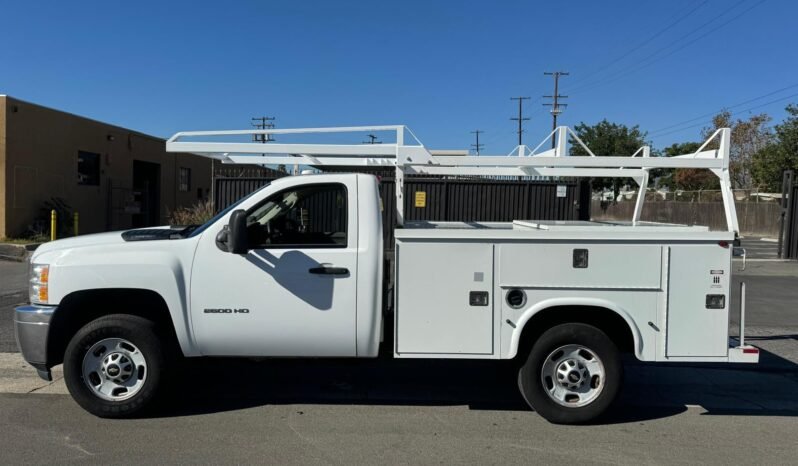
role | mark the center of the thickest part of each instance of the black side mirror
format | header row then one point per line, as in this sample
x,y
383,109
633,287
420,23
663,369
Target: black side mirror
x,y
221,238
237,232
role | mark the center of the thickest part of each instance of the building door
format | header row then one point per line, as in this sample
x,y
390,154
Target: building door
x,y
147,193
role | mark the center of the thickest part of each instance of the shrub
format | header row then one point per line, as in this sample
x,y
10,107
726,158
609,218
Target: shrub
x,y
39,229
196,214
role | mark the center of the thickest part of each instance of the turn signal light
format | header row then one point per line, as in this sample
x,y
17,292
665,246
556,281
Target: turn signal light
x,y
39,281
39,294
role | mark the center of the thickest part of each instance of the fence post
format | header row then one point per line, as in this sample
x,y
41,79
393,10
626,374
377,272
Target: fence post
x,y
75,223
786,231
52,225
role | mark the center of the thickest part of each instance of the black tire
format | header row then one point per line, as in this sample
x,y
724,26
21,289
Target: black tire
x,y
138,331
532,385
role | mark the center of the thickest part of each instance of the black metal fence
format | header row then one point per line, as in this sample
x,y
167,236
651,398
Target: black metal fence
x,y
460,200
228,190
788,237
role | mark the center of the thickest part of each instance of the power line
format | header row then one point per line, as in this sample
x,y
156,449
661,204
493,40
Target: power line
x,y
734,113
520,118
477,147
642,44
555,99
654,58
496,135
661,49
653,133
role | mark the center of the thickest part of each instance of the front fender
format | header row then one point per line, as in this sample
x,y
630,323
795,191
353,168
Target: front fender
x,y
540,306
163,267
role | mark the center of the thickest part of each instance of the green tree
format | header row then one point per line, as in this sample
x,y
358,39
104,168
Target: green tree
x,y
689,179
770,161
747,138
605,138
681,148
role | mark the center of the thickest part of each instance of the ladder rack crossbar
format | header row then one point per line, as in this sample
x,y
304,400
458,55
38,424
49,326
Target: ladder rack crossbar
x,y
416,159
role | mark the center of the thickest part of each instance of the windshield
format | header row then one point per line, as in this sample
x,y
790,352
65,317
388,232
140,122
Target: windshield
x,y
204,226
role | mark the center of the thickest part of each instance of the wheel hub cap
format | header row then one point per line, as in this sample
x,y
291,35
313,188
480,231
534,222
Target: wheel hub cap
x,y
573,376
114,369
117,367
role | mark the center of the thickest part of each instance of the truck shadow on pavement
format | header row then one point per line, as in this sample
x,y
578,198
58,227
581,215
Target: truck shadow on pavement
x,y
650,391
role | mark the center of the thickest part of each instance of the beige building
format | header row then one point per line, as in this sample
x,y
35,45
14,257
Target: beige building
x,y
115,178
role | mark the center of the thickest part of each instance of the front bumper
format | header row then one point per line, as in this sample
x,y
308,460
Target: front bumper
x,y
31,326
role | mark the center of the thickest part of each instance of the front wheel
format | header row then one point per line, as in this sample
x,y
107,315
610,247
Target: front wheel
x,y
113,366
572,375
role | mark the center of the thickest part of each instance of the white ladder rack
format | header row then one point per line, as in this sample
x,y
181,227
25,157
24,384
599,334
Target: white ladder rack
x,y
414,158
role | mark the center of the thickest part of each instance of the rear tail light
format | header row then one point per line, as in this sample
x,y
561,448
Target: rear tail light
x,y
716,301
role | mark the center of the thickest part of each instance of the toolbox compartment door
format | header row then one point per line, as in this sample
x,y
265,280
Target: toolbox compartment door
x,y
444,298
694,329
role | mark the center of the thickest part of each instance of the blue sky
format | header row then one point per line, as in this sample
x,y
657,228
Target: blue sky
x,y
443,68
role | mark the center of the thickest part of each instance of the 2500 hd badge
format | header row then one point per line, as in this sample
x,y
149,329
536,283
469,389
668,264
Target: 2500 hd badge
x,y
227,311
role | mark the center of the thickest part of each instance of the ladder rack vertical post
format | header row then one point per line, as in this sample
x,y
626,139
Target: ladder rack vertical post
x,y
399,185
725,182
641,190
561,148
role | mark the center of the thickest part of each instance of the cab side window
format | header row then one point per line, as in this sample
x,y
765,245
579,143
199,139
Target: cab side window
x,y
311,216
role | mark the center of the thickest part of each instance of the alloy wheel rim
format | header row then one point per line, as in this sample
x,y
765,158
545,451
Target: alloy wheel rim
x,y
114,369
572,376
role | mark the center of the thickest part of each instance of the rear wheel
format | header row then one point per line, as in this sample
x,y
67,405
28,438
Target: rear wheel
x,y
572,374
113,366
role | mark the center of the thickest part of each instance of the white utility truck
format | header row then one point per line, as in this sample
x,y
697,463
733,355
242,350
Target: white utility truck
x,y
296,270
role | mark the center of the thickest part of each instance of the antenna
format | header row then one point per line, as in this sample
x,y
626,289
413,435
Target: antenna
x,y
372,139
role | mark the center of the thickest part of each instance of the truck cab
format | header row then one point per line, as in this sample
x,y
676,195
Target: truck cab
x,y
307,281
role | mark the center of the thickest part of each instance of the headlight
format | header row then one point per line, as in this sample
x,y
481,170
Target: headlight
x,y
39,279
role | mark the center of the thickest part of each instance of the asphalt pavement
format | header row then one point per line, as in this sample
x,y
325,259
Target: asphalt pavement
x,y
760,248
13,291
410,411
13,277
390,411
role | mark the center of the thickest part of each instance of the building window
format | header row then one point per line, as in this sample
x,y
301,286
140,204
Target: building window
x,y
88,168
184,182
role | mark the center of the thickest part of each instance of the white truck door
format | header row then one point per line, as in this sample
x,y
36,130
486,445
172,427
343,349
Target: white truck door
x,y
294,292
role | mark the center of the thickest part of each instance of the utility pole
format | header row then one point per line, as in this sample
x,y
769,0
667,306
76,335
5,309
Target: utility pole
x,y
372,139
556,106
520,118
263,123
477,147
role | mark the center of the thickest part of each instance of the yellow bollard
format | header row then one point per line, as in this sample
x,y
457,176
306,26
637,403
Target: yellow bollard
x,y
75,223
52,225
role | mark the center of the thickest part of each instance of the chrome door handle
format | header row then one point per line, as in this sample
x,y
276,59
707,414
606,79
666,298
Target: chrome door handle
x,y
329,270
